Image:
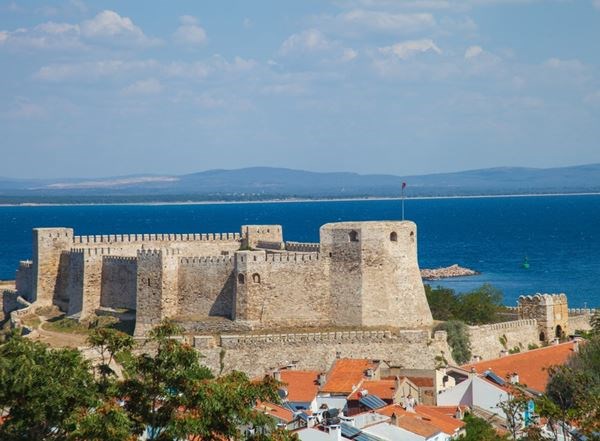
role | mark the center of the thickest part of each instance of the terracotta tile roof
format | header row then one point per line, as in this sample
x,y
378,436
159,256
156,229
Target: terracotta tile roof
x,y
302,386
276,411
416,425
346,374
430,418
384,389
447,410
531,366
447,424
421,381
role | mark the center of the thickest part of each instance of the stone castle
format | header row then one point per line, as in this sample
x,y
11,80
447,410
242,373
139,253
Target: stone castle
x,y
360,275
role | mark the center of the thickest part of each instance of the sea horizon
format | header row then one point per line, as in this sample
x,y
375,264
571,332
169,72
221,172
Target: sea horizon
x,y
491,234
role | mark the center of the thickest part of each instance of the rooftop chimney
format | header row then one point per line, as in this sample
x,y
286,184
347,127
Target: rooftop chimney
x,y
277,375
370,373
335,432
514,378
322,378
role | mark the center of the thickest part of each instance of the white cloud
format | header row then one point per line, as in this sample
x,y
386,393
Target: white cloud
x,y
309,40
387,22
557,63
473,51
105,26
91,70
190,32
24,108
407,49
151,86
110,25
348,54
48,35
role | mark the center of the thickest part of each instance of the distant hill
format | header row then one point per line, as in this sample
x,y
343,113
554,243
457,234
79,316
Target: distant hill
x,y
259,183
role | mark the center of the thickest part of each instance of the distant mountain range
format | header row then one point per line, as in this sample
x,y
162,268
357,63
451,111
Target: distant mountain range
x,y
261,183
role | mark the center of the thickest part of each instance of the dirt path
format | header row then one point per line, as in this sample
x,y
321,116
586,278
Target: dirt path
x,y
58,339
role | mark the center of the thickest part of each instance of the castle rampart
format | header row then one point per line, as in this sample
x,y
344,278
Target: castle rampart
x,y
360,274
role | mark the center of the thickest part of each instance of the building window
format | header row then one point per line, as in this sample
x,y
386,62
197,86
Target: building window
x,y
394,236
353,236
148,281
412,236
542,336
241,279
256,278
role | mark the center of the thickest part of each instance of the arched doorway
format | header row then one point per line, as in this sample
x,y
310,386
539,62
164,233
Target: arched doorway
x,y
542,336
559,331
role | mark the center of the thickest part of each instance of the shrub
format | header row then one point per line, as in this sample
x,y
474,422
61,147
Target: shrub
x,y
458,340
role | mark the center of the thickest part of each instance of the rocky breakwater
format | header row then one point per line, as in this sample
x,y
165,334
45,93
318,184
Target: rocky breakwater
x,y
447,272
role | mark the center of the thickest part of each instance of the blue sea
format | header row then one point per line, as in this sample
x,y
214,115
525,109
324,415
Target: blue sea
x,y
560,235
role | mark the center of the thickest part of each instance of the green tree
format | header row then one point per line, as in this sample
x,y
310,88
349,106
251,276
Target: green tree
x,y
42,389
109,343
107,422
458,339
480,305
443,302
478,429
575,388
178,398
474,307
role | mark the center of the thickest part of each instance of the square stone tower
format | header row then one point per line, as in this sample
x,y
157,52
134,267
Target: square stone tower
x,y
551,312
374,275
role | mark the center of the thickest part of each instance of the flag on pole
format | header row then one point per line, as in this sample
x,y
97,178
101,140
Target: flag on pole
x,y
403,187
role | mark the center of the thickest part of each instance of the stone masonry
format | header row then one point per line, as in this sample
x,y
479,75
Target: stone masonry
x,y
360,275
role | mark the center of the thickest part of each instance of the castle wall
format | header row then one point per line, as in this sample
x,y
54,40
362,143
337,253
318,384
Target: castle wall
x,y
157,283
206,286
24,280
49,244
262,236
375,278
83,281
282,289
187,244
579,319
551,312
119,282
486,340
258,354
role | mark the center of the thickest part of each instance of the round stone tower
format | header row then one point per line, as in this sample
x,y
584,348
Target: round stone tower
x,y
374,275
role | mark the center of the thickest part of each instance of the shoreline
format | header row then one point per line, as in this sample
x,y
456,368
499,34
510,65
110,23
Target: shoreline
x,y
298,200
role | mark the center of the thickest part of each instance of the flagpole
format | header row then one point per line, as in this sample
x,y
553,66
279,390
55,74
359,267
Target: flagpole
x,y
402,197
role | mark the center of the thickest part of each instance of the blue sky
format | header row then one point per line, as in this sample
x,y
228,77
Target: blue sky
x,y
110,88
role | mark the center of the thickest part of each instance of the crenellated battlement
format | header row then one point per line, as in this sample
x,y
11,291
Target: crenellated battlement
x,y
277,257
359,275
158,252
206,260
507,325
92,251
544,299
303,247
120,258
137,238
